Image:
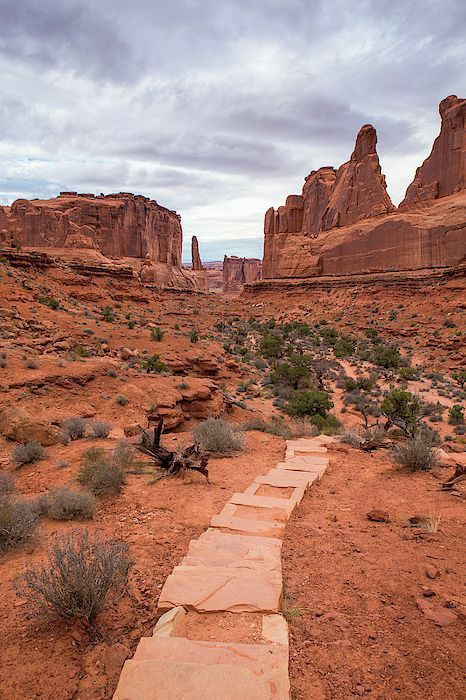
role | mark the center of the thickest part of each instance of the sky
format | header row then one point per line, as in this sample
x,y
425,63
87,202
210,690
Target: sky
x,y
218,108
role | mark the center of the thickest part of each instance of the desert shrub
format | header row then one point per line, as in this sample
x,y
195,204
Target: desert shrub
x,y
194,336
309,403
77,576
328,424
295,376
18,521
387,356
216,436
157,334
272,346
123,454
108,314
27,453
100,473
416,453
3,362
7,483
63,464
112,373
460,377
401,408
362,384
48,301
275,426
100,429
407,373
121,400
153,363
30,364
63,504
75,427
456,415
344,346
351,437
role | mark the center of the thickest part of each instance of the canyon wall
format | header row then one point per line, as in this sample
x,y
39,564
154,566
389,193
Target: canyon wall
x,y
240,271
119,225
344,222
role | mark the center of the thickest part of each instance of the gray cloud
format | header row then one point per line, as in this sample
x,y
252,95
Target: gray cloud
x,y
218,109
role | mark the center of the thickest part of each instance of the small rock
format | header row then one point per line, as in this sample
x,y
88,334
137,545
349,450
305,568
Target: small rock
x,y
378,516
428,593
432,572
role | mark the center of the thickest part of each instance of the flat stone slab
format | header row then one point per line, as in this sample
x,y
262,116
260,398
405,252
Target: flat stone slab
x,y
209,589
264,528
302,467
283,479
242,499
181,669
275,629
305,445
308,459
224,550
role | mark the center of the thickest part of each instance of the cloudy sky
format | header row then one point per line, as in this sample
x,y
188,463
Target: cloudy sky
x,y
218,108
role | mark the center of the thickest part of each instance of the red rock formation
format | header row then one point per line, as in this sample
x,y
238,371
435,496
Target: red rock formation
x,y
196,258
443,172
239,271
119,225
344,222
123,225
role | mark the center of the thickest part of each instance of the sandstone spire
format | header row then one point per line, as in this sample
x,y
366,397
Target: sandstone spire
x,y
196,258
443,172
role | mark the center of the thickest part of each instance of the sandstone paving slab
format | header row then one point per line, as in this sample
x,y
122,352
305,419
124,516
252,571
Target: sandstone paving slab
x,y
302,467
264,528
308,459
285,479
209,589
275,629
222,549
181,669
304,445
242,499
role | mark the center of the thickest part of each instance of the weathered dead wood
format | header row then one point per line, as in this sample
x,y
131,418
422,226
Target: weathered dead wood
x,y
170,462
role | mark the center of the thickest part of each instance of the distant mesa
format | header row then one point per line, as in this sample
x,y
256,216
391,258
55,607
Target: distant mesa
x,y
344,222
120,225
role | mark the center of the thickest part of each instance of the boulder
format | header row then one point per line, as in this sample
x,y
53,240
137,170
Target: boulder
x,y
16,424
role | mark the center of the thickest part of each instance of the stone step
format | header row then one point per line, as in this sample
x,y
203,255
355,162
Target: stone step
x,y
181,669
305,445
264,528
280,479
243,499
209,589
308,467
222,549
308,459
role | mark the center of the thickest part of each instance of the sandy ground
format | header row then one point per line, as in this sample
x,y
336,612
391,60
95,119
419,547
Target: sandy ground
x,y
352,585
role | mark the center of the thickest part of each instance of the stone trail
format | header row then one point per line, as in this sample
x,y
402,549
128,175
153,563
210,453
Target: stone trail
x,y
232,571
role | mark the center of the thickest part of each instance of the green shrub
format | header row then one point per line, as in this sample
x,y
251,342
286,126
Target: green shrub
x,y
387,356
401,408
48,301
272,427
121,400
456,415
18,521
272,347
154,364
77,577
344,346
157,334
27,453
218,437
63,504
309,403
100,473
108,314
194,336
407,373
329,425
293,375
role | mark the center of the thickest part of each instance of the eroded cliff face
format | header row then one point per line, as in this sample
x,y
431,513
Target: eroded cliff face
x,y
344,222
240,271
443,172
119,225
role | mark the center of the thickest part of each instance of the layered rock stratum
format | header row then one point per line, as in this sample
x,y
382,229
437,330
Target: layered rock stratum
x,y
344,222
121,225
240,271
